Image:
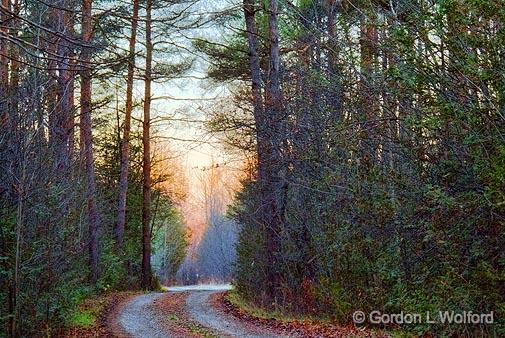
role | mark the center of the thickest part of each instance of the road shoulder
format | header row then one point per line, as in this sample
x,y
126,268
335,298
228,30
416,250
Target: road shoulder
x,y
287,326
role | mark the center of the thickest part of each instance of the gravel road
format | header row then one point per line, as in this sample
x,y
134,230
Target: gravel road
x,y
139,320
200,310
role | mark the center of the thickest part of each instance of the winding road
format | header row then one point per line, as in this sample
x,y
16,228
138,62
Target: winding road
x,y
141,318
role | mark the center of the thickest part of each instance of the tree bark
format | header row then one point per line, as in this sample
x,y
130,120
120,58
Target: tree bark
x,y
87,139
125,142
458,91
146,205
369,102
274,195
256,85
334,73
4,64
274,88
65,91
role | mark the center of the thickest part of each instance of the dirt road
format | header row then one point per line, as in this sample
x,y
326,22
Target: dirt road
x,y
185,312
139,319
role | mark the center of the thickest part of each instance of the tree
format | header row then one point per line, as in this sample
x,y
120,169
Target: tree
x,y
123,177
58,206
146,205
4,61
86,134
380,115
170,246
62,116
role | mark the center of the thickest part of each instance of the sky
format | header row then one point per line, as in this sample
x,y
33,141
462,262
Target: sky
x,y
179,111
179,105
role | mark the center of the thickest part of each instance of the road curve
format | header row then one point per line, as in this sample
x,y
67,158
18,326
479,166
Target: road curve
x,y
201,310
139,318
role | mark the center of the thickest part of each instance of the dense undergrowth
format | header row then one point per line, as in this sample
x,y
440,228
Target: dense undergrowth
x,y
53,275
388,188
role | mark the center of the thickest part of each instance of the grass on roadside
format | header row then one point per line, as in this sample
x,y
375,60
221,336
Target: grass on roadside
x,y
86,314
236,300
254,311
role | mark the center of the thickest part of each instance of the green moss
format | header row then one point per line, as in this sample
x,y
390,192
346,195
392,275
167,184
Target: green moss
x,y
84,318
86,313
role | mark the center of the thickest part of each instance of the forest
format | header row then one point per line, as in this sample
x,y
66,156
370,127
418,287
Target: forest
x,y
369,137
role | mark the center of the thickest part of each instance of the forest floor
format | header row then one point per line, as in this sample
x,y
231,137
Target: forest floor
x,y
200,312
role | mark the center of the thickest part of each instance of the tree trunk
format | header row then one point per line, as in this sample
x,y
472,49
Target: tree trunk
x,y
274,198
65,94
369,102
14,65
4,64
256,86
458,89
334,74
15,325
146,206
125,142
87,138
